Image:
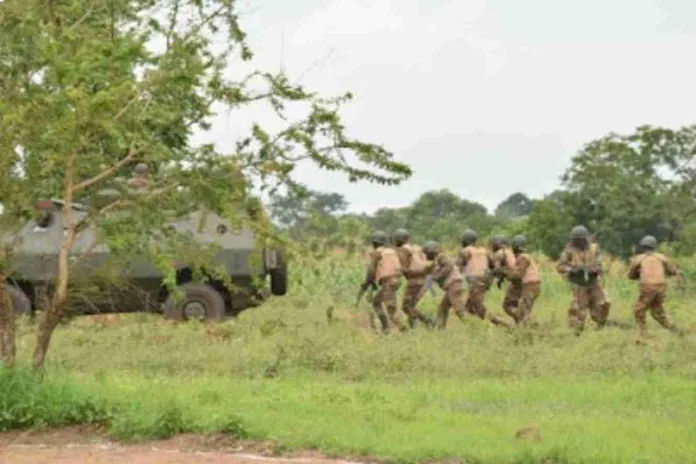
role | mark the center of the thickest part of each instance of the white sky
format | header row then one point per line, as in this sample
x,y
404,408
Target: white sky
x,y
483,97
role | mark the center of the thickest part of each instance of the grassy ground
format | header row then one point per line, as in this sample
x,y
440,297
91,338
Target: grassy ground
x,y
280,372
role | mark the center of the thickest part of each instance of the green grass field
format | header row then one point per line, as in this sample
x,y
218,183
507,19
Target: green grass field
x,y
282,373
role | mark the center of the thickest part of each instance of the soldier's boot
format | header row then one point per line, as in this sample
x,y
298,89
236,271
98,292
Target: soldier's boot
x,y
384,321
412,322
442,316
428,321
511,310
603,314
394,318
676,330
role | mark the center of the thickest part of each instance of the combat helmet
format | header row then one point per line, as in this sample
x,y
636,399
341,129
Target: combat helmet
x,y
379,238
497,241
519,242
431,248
141,169
401,236
469,237
579,232
648,242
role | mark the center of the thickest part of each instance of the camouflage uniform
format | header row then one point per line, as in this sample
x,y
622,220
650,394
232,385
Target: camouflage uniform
x,y
384,269
579,263
503,263
447,276
651,269
476,264
413,262
525,283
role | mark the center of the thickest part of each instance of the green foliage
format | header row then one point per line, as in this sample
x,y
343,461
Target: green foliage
x,y
626,186
516,205
90,89
25,401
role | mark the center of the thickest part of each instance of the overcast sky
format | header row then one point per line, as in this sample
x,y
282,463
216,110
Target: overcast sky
x,y
482,97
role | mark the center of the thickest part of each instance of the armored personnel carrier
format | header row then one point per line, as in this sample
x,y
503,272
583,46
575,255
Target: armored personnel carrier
x,y
36,247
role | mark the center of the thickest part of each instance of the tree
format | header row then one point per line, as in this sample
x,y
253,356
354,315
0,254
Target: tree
x,y
292,210
626,186
91,88
516,205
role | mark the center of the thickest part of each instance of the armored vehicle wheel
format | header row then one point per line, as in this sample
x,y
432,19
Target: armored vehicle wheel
x,y
20,300
279,277
200,301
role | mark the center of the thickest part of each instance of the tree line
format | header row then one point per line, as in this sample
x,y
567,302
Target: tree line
x,y
621,186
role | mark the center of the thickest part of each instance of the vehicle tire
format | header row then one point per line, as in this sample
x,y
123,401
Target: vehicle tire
x,y
279,276
209,301
20,300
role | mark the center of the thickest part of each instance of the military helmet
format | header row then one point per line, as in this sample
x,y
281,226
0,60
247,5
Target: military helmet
x,y
141,168
648,242
579,232
401,235
498,240
379,237
519,241
431,247
469,236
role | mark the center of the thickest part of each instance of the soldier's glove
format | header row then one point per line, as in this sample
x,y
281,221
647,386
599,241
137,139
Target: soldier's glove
x,y
364,286
499,284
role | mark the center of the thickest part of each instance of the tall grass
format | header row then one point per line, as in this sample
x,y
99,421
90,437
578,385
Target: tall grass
x,y
282,372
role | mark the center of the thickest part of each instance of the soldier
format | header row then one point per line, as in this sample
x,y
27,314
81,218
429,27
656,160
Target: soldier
x,y
413,263
579,264
475,263
651,269
385,270
139,179
525,283
503,263
446,274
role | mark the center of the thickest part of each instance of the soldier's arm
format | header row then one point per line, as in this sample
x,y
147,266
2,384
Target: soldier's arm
x,y
427,269
492,261
443,267
633,269
405,258
517,272
563,266
462,258
670,268
371,273
597,259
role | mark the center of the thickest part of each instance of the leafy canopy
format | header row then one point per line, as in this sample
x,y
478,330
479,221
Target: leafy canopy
x,y
90,88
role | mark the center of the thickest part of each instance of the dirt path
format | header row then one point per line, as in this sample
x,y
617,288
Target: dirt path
x,y
87,445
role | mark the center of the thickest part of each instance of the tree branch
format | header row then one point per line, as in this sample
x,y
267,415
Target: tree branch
x,y
107,172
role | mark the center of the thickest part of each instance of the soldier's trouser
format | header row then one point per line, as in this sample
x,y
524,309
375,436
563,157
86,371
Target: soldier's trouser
x,y
590,299
652,297
519,300
453,298
386,296
474,302
410,299
513,293
530,293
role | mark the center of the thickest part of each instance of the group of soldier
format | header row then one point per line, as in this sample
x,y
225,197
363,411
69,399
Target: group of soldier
x,y
466,279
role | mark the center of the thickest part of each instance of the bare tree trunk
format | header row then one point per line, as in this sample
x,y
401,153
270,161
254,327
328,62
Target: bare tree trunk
x,y
8,350
56,306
